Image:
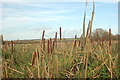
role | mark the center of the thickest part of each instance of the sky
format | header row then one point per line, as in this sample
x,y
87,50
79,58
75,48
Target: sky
x,y
27,20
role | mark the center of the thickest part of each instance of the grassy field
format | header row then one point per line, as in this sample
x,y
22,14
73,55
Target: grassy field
x,y
67,60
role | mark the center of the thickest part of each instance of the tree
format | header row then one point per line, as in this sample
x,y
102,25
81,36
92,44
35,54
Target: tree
x,y
100,34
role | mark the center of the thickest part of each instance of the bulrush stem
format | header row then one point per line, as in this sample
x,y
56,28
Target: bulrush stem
x,y
44,44
48,47
75,41
56,38
60,34
43,35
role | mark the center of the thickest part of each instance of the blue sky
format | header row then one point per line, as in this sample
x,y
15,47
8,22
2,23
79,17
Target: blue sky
x,y
27,20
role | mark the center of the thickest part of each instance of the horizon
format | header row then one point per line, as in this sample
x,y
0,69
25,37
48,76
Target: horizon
x,y
21,19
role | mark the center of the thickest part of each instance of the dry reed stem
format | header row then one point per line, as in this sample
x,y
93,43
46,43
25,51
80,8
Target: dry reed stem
x,y
87,32
90,34
15,70
84,30
37,59
100,67
86,65
33,58
56,58
31,73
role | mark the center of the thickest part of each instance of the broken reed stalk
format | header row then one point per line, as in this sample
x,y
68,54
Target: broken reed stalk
x,y
60,33
43,35
48,46
75,41
33,58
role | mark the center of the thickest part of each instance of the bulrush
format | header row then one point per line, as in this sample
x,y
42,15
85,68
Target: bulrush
x,y
75,41
33,58
43,35
110,37
60,34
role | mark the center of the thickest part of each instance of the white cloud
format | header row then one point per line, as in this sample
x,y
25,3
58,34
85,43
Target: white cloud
x,y
17,21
